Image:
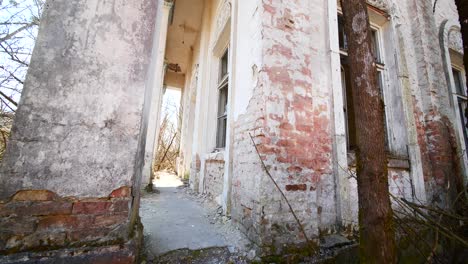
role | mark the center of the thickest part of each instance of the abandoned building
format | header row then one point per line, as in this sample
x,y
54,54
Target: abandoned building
x,y
268,72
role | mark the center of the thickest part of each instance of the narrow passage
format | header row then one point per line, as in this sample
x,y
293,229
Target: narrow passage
x,y
175,218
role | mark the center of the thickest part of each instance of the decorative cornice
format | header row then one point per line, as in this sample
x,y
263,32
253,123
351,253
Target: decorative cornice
x,y
223,16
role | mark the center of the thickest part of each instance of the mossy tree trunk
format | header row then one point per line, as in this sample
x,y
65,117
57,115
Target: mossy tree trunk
x,y
377,236
462,6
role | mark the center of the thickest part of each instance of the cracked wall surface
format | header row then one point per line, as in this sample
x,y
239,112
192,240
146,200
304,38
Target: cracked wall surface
x,y
78,122
77,141
284,97
77,136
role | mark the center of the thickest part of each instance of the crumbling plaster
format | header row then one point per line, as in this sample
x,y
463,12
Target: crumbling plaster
x,y
270,94
82,101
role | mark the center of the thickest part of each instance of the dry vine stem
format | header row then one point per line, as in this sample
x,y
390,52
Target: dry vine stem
x,y
282,193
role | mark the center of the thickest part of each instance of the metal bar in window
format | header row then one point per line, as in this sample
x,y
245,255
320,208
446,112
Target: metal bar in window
x,y
344,52
223,82
380,66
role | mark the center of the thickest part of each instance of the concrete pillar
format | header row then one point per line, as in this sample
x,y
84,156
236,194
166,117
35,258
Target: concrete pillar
x,y
156,79
76,145
200,116
228,152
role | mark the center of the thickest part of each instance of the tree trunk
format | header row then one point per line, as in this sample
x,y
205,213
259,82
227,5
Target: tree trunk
x,y
377,236
462,6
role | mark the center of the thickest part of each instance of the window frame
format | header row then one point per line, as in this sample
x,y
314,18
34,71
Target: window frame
x,y
222,84
460,99
380,67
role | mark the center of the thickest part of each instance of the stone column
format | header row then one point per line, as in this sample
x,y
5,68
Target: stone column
x,y
155,82
75,147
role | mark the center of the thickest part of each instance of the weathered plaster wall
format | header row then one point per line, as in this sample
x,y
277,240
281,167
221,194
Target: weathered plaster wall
x,y
298,112
82,100
188,115
155,90
214,176
78,140
434,117
201,57
289,117
283,96
445,9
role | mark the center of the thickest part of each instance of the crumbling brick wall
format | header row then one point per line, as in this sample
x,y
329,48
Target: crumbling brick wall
x,y
33,221
214,177
434,115
289,118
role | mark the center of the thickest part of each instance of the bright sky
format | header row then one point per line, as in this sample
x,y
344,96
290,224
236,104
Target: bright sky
x,y
171,104
14,15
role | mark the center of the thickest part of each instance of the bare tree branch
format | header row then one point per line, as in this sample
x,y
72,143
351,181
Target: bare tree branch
x,y
14,33
8,98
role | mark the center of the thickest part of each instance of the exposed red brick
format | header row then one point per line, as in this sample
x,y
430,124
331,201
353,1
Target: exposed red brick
x,y
296,187
89,234
35,208
279,74
18,225
34,195
92,207
122,192
286,143
110,220
305,128
294,169
121,206
65,222
266,149
281,49
44,239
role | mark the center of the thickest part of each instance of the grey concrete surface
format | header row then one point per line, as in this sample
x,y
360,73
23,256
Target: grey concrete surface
x,y
174,220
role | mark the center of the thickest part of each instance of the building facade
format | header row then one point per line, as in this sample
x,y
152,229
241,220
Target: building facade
x,y
263,81
285,84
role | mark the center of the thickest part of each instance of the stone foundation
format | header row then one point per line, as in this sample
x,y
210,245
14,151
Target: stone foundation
x,y
39,225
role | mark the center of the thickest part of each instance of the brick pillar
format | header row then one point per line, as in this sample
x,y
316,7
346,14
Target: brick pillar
x,y
289,116
76,148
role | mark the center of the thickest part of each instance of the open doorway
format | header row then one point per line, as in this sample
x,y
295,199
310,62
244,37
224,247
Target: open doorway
x,y
168,144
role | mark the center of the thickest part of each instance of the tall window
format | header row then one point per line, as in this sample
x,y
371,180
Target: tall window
x,y
346,81
223,88
462,101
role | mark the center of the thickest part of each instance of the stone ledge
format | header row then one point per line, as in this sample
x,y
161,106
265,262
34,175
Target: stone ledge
x,y
214,157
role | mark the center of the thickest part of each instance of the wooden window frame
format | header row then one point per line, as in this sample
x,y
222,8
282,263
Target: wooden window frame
x,y
223,90
460,100
380,66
